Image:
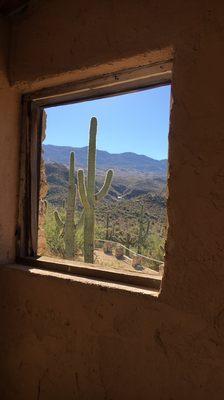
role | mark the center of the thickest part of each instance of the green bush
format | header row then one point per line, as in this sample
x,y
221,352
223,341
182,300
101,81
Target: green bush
x,y
154,246
54,237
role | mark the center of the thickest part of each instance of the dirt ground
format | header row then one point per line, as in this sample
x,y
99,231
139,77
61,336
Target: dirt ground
x,y
110,261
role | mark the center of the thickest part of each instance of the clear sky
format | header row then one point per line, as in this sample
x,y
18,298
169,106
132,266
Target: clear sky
x,y
136,122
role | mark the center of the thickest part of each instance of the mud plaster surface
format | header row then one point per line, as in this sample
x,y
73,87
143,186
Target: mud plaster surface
x,y
64,339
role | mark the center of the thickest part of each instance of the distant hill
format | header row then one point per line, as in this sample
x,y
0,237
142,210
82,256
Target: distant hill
x,y
125,162
137,179
126,185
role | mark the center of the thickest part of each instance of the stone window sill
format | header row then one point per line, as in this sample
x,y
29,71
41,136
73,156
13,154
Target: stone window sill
x,y
88,275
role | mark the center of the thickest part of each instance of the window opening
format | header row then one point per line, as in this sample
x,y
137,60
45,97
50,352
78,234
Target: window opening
x,y
103,182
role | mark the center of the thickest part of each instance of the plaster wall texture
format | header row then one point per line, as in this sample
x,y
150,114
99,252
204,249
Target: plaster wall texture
x,y
9,145
66,339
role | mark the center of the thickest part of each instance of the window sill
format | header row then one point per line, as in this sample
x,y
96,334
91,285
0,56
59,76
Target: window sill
x,y
89,274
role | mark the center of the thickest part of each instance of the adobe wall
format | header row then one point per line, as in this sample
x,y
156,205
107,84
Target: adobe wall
x,y
65,338
9,142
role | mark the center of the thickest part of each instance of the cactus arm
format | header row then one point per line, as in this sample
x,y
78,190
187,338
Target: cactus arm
x,y
82,189
148,226
58,220
105,188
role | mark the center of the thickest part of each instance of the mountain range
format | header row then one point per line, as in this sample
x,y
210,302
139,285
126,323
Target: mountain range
x,y
125,162
134,175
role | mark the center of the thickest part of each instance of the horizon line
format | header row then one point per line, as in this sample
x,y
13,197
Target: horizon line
x,y
106,151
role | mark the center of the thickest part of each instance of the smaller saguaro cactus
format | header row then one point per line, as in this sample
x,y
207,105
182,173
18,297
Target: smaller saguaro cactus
x,y
68,227
143,232
87,193
130,241
107,226
110,231
113,232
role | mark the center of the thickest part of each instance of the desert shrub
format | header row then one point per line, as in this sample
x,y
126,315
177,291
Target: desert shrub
x,y
54,237
100,231
154,246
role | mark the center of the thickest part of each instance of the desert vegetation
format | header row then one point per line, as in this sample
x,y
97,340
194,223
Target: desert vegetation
x,y
115,218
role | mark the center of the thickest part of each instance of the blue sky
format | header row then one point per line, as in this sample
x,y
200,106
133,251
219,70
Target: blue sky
x,y
136,122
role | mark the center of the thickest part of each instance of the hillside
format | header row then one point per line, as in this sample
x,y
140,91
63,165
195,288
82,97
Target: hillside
x,y
132,187
134,175
124,200
123,161
125,185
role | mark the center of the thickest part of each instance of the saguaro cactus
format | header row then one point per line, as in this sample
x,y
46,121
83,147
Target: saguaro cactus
x,y
128,242
69,226
107,226
87,193
110,231
143,232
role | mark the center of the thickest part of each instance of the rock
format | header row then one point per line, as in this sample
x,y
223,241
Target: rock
x,y
107,247
137,263
119,252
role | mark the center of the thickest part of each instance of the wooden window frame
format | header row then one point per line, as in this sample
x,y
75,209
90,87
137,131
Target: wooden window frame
x,y
33,105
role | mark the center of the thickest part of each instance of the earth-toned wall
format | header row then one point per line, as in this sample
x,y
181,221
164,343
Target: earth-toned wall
x,y
9,159
66,338
69,338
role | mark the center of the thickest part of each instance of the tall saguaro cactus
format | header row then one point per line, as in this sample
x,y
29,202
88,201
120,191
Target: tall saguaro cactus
x,y
87,193
68,226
